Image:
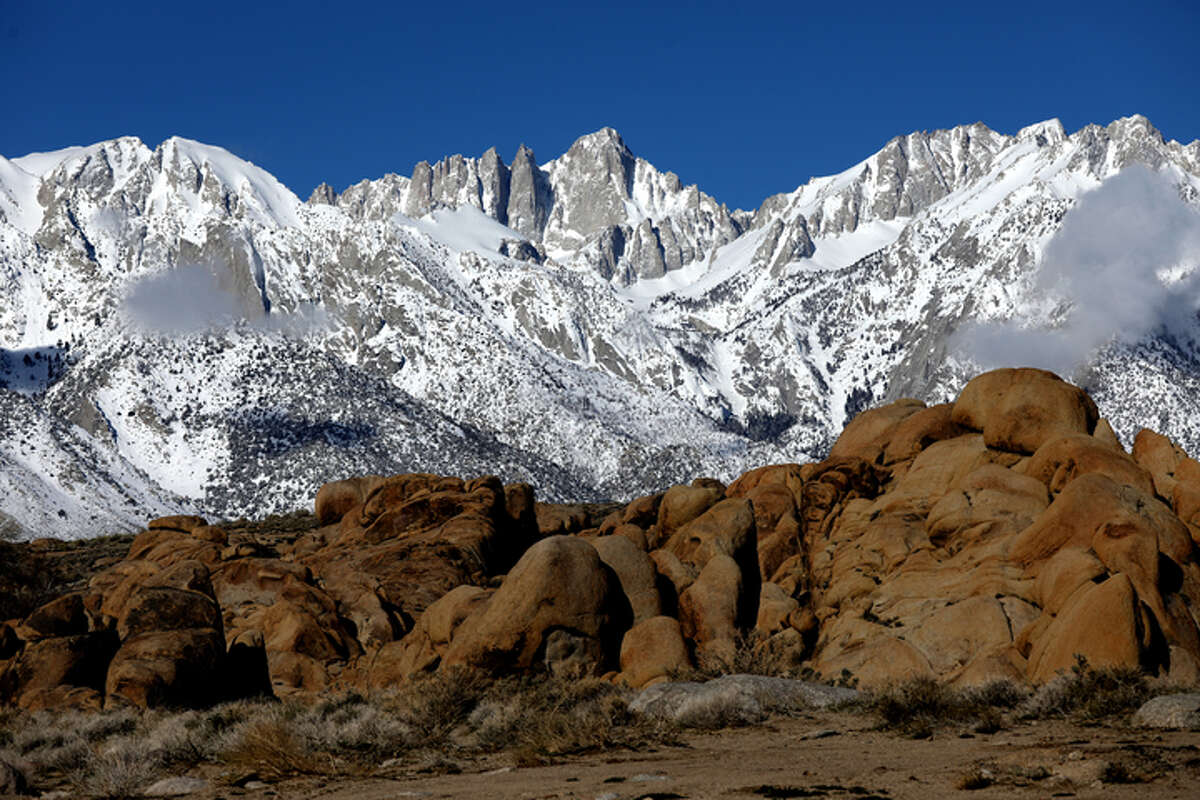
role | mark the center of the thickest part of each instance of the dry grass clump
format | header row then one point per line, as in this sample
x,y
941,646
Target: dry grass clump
x,y
434,705
1090,695
754,653
541,719
271,749
118,772
920,706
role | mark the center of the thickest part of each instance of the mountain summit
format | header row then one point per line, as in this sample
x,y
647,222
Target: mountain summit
x,y
181,332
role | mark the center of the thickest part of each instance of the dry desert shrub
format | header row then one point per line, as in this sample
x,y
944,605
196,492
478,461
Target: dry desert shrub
x,y
49,743
271,749
192,737
1090,695
919,706
541,718
458,712
120,770
434,705
8,723
754,653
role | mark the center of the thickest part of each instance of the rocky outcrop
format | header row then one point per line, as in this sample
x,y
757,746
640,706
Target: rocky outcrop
x,y
1004,535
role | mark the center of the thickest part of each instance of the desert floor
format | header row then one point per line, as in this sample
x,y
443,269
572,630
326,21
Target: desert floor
x,y
829,755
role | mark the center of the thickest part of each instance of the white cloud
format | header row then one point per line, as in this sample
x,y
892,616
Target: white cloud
x,y
192,299
1124,261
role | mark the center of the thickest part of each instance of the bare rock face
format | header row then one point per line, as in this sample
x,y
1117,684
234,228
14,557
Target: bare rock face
x,y
1059,461
194,615
1020,409
635,571
336,498
559,606
1006,554
422,650
64,670
868,433
652,651
167,668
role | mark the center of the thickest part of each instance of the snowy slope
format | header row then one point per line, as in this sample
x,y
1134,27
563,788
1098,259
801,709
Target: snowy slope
x,y
180,331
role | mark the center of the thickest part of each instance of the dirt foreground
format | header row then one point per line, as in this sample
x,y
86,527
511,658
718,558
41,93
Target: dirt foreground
x,y
825,755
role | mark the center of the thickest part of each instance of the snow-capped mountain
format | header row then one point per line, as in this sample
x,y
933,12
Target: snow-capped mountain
x,y
179,331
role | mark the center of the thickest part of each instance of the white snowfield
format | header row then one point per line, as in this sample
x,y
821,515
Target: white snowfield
x,y
180,332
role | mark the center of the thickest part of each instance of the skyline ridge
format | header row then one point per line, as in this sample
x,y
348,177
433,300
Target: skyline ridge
x,y
304,197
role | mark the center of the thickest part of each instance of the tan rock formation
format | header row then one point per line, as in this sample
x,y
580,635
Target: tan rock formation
x,y
1020,409
998,536
653,651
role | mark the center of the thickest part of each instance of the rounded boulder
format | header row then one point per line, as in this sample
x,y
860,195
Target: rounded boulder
x,y
1019,410
559,584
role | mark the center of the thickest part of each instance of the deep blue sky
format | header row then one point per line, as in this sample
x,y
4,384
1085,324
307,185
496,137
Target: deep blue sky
x,y
743,99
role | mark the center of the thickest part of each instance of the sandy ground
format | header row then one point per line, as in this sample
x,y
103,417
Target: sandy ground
x,y
830,755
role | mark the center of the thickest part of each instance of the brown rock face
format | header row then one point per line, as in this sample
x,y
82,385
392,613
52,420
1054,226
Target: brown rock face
x,y
708,610
653,651
918,431
958,565
1061,460
559,588
1160,457
869,433
727,530
165,608
64,616
1019,410
167,668
180,523
423,649
1099,622
59,663
416,537
337,498
636,573
679,506
777,496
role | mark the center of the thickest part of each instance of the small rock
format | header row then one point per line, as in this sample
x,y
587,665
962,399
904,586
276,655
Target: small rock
x,y
255,785
607,796
1170,711
1087,772
178,786
824,733
648,778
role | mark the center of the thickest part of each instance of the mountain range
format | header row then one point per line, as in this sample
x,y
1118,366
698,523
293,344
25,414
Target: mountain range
x,y
179,332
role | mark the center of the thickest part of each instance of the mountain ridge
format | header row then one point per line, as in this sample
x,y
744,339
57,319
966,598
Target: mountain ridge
x,y
627,331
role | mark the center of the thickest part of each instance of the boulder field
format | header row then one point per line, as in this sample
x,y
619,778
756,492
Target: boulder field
x,y
1001,536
